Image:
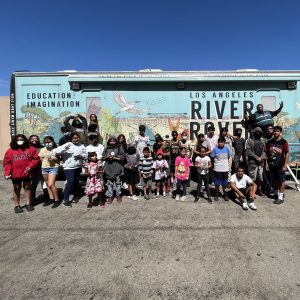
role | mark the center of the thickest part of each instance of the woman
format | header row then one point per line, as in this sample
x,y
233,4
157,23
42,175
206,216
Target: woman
x,y
36,175
94,121
50,166
73,153
19,162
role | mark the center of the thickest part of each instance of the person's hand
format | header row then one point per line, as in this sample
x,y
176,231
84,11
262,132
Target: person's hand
x,y
281,104
284,168
267,167
258,159
7,177
27,170
67,147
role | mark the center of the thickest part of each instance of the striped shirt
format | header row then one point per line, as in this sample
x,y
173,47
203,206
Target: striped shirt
x,y
146,165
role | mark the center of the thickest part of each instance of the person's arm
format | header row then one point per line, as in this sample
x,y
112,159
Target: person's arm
x,y
35,160
287,156
7,164
84,122
276,112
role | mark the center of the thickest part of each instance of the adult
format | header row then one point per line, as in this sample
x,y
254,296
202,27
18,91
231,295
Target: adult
x,y
243,188
73,153
239,149
277,151
78,125
262,118
94,121
66,132
212,139
229,144
19,161
186,143
50,164
256,158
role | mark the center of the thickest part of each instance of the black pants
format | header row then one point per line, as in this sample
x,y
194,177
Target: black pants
x,y
203,178
183,184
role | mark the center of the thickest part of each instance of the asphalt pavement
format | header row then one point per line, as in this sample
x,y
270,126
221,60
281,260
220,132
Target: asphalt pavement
x,y
156,249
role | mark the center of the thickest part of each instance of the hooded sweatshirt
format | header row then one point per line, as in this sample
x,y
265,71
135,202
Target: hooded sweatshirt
x,y
69,155
17,160
113,168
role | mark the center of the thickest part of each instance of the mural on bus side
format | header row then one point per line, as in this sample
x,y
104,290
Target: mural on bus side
x,y
43,112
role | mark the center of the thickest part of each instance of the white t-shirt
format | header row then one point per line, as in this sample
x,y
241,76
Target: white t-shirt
x,y
98,149
140,143
241,183
202,163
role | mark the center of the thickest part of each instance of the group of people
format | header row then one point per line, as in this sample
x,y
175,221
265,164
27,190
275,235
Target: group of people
x,y
161,170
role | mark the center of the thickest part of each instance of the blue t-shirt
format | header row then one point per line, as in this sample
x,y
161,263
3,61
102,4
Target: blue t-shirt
x,y
221,157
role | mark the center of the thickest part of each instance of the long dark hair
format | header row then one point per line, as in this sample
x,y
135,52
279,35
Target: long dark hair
x,y
38,145
15,146
50,138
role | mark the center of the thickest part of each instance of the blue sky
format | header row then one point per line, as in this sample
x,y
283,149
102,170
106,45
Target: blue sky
x,y
53,35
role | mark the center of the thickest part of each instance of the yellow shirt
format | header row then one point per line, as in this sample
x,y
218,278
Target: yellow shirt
x,y
45,155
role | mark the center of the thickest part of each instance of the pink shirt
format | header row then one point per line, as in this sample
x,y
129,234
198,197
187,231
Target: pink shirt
x,y
183,164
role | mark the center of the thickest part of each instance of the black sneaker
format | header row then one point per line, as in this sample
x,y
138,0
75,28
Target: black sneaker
x,y
29,207
18,209
55,204
278,201
226,198
48,202
209,200
196,199
67,204
216,198
75,200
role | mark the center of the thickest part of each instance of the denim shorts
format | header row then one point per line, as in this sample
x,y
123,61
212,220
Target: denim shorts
x,y
46,171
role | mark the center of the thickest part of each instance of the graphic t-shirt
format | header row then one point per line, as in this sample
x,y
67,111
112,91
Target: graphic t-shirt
x,y
276,152
160,167
241,183
221,157
202,164
140,143
46,154
182,164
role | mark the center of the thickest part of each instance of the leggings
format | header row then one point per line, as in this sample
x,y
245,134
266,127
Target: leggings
x,y
181,183
203,178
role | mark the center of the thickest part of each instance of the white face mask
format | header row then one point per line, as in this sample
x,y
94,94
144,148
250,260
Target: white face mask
x,y
20,143
184,137
49,145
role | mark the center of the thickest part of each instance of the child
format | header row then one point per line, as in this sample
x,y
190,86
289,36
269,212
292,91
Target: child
x,y
94,183
145,169
131,171
221,156
113,155
203,165
160,166
19,161
50,166
182,172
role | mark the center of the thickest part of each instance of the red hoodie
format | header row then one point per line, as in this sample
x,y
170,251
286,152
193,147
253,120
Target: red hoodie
x,y
16,161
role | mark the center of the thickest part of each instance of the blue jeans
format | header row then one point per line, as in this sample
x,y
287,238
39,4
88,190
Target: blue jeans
x,y
110,186
72,176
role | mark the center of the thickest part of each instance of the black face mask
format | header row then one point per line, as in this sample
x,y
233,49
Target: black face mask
x,y
239,134
257,135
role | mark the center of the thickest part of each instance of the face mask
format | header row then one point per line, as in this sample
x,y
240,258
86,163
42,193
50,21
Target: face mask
x,y
257,134
66,133
184,138
20,143
238,134
49,145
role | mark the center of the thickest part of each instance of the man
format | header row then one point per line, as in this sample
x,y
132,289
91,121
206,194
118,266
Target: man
x,y
229,144
263,118
256,156
277,151
94,145
212,139
243,188
268,133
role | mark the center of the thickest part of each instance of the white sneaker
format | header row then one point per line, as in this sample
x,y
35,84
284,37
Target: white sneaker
x,y
157,195
183,198
134,198
125,186
129,197
164,194
252,206
177,197
245,206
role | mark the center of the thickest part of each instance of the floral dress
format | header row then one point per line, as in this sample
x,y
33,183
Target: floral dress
x,y
94,183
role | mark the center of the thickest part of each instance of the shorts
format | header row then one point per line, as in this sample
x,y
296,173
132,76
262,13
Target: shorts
x,y
16,181
162,180
221,178
53,171
255,172
147,182
276,174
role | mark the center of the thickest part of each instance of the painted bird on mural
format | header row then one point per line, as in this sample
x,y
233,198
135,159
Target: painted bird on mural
x,y
127,106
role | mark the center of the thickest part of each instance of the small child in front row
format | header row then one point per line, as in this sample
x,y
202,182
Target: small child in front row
x,y
160,166
182,172
146,171
203,164
94,184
